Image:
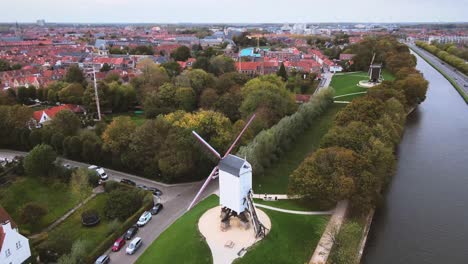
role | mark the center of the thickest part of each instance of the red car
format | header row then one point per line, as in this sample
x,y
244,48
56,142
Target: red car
x,y
118,244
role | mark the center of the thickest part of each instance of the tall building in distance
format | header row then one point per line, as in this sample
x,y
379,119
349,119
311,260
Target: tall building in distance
x,y
41,22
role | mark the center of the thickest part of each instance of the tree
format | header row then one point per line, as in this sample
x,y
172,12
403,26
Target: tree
x,y
186,99
202,63
66,122
71,94
161,102
221,64
208,98
197,79
172,68
328,175
4,65
40,160
22,95
182,53
105,68
282,72
151,78
267,96
72,147
364,109
75,75
117,135
32,213
122,203
57,142
78,254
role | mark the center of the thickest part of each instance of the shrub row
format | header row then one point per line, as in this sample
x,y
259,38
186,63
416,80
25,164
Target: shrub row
x,y
445,56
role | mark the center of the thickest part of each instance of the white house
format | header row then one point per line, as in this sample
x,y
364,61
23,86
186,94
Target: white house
x,y
14,247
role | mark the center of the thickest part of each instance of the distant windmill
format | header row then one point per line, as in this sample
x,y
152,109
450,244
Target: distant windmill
x,y
235,186
375,71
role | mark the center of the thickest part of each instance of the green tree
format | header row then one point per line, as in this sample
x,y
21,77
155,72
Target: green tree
x,y
161,102
172,68
182,53
208,98
71,94
40,160
221,64
66,122
282,72
186,99
105,68
117,135
4,65
75,75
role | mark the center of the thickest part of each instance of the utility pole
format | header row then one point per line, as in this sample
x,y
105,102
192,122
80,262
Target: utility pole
x,y
98,107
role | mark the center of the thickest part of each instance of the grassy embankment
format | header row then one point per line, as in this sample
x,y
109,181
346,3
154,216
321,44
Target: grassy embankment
x,y
275,179
346,83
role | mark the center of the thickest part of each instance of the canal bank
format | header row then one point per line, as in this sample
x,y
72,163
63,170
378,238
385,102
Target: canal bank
x,y
423,219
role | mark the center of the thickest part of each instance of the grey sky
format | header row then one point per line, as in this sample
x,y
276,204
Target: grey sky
x,y
227,11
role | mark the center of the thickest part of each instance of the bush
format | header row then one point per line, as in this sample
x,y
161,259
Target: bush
x,y
113,226
40,161
122,204
32,212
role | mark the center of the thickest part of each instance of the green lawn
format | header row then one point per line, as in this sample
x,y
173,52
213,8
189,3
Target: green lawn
x,y
276,178
182,243
74,230
292,239
139,119
55,195
346,83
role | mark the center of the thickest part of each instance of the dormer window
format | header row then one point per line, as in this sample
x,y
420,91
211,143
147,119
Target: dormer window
x,y
7,253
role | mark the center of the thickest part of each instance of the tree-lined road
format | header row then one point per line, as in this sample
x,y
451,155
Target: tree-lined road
x,y
456,76
176,199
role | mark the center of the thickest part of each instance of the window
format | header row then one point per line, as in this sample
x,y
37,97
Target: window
x,y
18,245
7,253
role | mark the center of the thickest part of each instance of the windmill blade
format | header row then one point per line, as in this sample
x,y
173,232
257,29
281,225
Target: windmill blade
x,y
213,172
206,144
240,135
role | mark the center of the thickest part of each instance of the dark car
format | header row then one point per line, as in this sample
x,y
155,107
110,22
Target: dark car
x,y
131,232
156,208
155,191
127,181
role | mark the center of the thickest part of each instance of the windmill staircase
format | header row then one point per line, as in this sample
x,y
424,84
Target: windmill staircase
x,y
259,228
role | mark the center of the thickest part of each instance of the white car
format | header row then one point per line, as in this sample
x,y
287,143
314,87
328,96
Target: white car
x,y
100,171
134,245
144,219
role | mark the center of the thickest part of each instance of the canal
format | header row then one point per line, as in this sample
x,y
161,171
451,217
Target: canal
x,y
425,216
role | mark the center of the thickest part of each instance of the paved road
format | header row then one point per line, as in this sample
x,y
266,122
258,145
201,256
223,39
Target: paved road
x,y
458,77
176,199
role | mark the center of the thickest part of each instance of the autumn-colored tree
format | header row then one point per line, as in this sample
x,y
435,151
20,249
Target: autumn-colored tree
x,y
117,136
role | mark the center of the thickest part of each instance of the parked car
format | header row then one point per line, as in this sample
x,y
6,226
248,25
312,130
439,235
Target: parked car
x,y
155,191
100,172
127,181
134,245
466,85
144,219
131,232
104,259
141,186
156,209
118,244
68,166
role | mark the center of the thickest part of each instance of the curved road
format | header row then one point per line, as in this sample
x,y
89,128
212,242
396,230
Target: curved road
x,y
176,199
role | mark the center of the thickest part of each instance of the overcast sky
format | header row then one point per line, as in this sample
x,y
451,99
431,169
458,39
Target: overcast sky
x,y
229,11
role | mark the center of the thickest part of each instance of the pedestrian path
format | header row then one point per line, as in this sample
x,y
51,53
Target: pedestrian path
x,y
322,251
293,211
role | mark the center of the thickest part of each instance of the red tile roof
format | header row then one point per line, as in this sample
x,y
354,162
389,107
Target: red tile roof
x,y
51,112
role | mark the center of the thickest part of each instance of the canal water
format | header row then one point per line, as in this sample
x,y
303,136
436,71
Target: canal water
x,y
425,216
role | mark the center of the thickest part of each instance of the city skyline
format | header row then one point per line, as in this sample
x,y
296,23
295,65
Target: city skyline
x,y
241,11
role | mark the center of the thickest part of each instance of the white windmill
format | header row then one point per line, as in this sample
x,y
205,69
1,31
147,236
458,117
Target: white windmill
x,y
235,186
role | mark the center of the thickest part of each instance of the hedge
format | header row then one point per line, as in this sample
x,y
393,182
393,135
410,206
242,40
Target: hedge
x,y
269,144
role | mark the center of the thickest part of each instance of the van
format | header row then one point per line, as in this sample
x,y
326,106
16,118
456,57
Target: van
x,y
134,245
99,171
